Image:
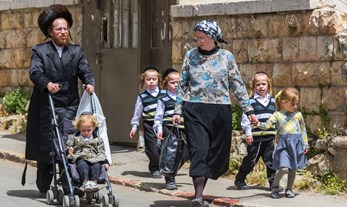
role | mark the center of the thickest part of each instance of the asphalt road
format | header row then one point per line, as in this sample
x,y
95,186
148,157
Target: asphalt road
x,y
13,194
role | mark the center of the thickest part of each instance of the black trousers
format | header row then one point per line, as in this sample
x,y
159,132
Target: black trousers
x,y
255,151
44,176
88,170
152,149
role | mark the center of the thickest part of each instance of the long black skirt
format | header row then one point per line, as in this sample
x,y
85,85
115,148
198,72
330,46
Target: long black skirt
x,y
208,131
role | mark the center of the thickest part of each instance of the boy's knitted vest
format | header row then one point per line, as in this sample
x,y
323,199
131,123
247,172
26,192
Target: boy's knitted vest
x,y
149,104
169,112
260,110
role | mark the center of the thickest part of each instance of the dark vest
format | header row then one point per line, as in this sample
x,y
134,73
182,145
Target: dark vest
x,y
169,111
149,104
260,110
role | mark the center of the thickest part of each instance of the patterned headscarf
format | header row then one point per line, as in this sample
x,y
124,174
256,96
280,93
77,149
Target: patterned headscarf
x,y
212,29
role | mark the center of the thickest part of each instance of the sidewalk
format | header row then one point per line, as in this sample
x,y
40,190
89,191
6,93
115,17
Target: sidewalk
x,y
130,169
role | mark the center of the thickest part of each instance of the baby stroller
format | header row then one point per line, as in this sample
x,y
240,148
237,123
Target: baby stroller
x,y
58,153
90,103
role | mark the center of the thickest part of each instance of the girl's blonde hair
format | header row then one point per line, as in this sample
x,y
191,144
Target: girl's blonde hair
x,y
143,76
253,82
167,79
288,94
85,118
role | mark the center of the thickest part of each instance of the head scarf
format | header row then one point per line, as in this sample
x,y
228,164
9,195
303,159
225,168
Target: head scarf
x,y
212,29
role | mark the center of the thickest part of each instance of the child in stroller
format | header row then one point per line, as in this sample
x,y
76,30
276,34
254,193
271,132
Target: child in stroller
x,y
87,151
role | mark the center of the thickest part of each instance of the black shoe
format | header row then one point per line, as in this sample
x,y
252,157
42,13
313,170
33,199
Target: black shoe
x,y
171,185
241,185
275,192
280,189
156,174
197,202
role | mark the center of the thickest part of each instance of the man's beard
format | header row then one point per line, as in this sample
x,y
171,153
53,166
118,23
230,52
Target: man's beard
x,y
61,43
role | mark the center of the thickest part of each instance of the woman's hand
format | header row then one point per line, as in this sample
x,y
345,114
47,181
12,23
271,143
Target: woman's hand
x,y
176,119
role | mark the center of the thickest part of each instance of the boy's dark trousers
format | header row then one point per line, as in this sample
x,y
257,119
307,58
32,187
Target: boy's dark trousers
x,y
88,170
256,150
151,146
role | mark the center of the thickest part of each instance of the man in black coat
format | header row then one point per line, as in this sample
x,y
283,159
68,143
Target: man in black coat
x,y
56,66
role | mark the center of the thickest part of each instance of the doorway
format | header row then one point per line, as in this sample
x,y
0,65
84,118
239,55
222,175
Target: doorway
x,y
120,39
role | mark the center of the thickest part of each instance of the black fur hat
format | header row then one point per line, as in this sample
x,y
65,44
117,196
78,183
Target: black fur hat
x,y
52,13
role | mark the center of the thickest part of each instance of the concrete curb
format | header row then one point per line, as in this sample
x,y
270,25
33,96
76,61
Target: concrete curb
x,y
15,157
18,157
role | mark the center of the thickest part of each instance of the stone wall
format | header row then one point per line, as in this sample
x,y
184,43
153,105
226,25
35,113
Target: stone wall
x,y
19,32
304,48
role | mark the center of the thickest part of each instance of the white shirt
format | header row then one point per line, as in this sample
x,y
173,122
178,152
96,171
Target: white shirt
x,y
245,123
135,121
59,49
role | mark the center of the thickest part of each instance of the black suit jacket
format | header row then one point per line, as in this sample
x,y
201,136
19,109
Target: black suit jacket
x,y
46,66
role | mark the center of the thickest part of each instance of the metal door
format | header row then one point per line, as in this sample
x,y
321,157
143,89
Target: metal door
x,y
120,40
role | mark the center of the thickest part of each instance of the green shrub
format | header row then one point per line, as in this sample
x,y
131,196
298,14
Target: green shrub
x,y
15,102
258,174
234,164
332,184
236,117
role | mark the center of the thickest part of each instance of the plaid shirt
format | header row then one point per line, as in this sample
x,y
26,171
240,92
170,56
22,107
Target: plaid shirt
x,y
287,123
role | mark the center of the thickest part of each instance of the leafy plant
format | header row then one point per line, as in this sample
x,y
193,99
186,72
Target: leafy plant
x,y
306,180
234,164
236,117
258,175
332,184
15,102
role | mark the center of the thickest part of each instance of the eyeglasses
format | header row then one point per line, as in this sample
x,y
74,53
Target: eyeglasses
x,y
202,39
61,29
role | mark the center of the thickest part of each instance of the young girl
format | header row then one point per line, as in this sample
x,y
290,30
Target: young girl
x,y
87,151
164,114
260,143
290,152
145,106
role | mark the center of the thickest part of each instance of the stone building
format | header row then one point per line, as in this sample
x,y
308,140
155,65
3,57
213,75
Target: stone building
x,y
300,43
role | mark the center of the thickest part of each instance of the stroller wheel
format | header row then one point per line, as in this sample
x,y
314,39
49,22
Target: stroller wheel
x,y
115,202
98,197
89,197
77,201
49,197
60,196
105,201
66,201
